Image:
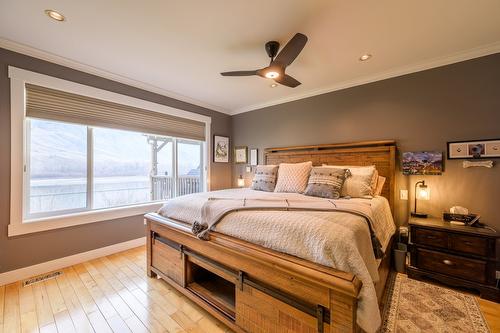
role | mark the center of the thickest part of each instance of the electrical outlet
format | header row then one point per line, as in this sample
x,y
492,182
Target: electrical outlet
x,y
403,194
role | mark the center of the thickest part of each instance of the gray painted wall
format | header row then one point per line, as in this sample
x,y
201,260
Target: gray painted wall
x,y
40,247
421,111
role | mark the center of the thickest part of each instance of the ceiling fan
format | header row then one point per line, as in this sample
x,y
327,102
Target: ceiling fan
x,y
279,62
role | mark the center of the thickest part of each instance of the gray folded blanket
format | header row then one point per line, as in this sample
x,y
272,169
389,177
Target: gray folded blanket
x,y
215,209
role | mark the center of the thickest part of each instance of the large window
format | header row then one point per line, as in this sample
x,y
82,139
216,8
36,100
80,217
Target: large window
x,y
73,168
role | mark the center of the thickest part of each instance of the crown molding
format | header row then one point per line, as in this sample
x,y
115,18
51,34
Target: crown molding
x,y
47,56
477,52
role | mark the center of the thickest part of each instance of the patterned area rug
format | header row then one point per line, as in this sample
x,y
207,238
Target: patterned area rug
x,y
415,306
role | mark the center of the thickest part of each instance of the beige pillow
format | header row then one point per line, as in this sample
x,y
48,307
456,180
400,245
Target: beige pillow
x,y
380,185
362,183
293,177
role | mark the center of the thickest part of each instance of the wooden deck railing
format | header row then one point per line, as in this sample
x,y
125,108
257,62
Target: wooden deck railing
x,y
162,186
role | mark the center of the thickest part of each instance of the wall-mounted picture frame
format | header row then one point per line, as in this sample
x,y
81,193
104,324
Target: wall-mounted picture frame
x,y
254,159
221,149
474,149
422,163
240,155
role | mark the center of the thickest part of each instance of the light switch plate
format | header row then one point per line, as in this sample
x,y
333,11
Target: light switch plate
x,y
403,194
249,169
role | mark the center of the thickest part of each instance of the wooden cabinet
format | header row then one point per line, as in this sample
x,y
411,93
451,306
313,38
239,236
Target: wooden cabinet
x,y
460,256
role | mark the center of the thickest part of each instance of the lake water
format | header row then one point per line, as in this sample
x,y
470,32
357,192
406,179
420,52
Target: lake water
x,y
62,194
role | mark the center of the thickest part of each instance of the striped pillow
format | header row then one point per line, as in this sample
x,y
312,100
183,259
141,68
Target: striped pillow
x,y
264,178
326,182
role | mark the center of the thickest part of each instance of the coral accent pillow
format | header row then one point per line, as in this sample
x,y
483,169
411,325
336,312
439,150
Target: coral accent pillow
x,y
293,177
380,185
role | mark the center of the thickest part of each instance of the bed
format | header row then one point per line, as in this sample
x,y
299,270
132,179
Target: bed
x,y
253,282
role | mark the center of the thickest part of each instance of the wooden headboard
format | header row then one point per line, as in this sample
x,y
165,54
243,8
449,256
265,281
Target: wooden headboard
x,y
382,154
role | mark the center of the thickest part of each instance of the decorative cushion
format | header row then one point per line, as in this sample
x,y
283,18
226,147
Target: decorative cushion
x,y
326,182
380,185
264,178
362,183
292,177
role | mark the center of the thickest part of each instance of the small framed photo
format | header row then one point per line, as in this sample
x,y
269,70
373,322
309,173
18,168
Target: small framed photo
x,y
221,149
474,149
254,157
240,155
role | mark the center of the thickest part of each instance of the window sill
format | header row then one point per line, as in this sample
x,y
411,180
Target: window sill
x,y
64,221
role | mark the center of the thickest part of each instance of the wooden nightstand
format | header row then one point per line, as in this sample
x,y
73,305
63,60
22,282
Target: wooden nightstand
x,y
460,256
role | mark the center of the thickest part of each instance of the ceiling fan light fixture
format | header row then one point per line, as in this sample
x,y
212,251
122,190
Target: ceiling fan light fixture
x,y
365,57
272,75
55,15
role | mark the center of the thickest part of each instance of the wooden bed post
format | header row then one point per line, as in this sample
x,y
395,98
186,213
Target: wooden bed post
x,y
342,313
150,273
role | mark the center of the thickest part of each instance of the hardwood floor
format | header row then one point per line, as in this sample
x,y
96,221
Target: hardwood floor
x,y
109,294
113,294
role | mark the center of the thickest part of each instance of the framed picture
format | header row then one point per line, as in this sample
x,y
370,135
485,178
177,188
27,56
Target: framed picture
x,y
422,163
474,149
254,157
221,149
240,154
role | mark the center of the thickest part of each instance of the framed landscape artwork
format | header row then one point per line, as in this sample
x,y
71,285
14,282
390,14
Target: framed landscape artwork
x,y
422,163
474,149
221,149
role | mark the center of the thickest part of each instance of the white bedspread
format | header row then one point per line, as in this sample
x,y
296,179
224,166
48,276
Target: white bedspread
x,y
335,239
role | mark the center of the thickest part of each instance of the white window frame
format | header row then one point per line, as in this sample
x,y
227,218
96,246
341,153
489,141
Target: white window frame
x,y
18,79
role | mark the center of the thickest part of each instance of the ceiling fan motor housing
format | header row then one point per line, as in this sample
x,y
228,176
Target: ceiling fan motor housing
x,y
272,48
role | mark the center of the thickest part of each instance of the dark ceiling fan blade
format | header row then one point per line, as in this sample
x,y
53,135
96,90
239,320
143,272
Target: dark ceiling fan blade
x,y
287,80
239,73
291,50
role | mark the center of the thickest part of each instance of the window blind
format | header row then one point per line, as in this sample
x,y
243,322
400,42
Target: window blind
x,y
47,103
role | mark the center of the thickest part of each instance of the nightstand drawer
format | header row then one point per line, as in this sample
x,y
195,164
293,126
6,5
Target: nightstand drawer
x,y
469,244
430,237
470,269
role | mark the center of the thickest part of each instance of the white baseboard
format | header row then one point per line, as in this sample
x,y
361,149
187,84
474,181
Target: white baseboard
x,y
52,265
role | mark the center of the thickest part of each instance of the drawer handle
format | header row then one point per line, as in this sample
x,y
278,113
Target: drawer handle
x,y
448,262
430,237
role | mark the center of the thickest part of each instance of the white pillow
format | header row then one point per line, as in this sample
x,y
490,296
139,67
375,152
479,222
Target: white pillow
x,y
362,183
293,177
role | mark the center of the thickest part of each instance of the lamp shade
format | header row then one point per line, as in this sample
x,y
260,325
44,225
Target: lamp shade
x,y
241,182
423,192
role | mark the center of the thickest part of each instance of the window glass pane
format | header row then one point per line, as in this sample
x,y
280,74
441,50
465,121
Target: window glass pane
x,y
57,166
122,162
162,180
189,167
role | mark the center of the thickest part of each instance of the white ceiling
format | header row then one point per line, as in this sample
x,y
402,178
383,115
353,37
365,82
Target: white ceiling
x,y
178,48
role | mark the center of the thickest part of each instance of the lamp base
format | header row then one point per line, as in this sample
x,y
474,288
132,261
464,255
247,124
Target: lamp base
x,y
419,215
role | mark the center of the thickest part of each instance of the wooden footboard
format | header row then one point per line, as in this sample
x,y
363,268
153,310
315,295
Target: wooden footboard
x,y
250,288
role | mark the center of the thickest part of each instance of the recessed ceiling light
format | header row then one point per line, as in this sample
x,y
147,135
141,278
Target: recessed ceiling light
x,y
274,85
365,57
55,15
